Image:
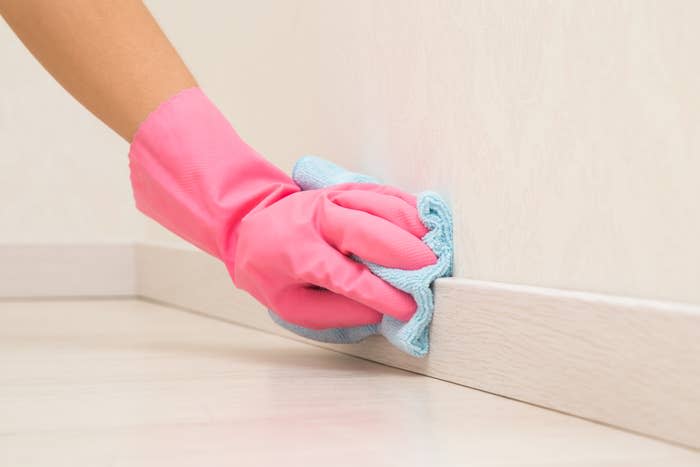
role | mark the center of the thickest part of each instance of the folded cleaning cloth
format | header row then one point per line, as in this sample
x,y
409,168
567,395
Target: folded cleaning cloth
x,y
412,336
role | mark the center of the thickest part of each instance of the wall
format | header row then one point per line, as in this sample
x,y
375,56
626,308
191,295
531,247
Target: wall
x,y
566,134
258,61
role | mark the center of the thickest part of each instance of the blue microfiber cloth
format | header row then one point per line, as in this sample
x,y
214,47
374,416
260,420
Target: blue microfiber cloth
x,y
413,336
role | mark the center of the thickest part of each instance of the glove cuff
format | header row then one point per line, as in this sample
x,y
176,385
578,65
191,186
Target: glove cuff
x,y
193,174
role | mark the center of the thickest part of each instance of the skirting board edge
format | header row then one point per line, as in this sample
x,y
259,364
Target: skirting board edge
x,y
67,270
630,363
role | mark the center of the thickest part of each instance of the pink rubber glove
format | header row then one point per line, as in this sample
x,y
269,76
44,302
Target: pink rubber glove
x,y
194,175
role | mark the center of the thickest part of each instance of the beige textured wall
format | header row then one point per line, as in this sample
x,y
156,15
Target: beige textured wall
x,y
566,134
258,61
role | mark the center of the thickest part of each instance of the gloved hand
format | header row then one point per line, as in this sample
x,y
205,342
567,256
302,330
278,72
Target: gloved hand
x,y
193,174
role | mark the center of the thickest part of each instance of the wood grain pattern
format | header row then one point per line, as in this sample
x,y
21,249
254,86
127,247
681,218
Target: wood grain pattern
x,y
630,363
131,384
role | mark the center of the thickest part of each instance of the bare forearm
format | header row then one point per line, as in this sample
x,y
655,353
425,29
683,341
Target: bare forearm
x,y
111,55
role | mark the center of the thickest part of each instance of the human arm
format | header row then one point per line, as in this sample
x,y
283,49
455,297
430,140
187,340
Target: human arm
x,y
192,173
111,55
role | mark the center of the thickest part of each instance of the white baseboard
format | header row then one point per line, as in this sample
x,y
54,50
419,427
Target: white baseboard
x,y
63,270
630,363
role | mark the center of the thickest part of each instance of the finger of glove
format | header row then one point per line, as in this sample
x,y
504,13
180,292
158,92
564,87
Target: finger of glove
x,y
340,274
372,238
378,188
315,308
388,207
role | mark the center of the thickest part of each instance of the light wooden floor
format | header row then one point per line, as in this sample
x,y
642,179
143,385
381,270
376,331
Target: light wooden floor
x,y
130,383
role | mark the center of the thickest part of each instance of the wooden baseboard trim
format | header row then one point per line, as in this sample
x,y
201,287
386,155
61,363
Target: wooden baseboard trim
x,y
66,270
630,363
